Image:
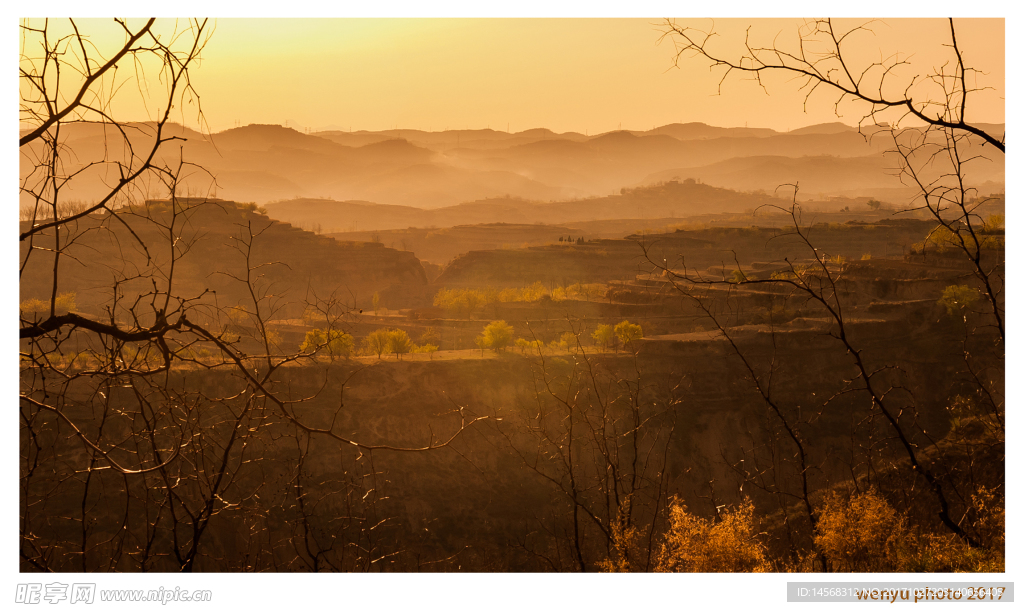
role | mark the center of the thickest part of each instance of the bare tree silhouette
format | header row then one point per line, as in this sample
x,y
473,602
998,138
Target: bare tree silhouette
x,y
821,59
923,114
127,462
933,144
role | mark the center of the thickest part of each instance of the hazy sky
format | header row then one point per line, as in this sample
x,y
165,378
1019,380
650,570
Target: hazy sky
x,y
585,75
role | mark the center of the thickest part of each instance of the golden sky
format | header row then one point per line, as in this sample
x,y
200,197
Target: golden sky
x,y
584,75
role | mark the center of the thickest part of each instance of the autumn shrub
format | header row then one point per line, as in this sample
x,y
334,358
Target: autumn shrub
x,y
730,544
987,517
65,303
625,538
34,307
860,534
864,533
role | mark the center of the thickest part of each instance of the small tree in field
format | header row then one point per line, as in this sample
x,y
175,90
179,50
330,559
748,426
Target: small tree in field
x,y
376,342
628,333
336,342
497,335
604,336
398,342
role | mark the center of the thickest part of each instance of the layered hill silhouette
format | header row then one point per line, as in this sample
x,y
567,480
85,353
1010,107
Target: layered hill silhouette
x,y
672,199
268,163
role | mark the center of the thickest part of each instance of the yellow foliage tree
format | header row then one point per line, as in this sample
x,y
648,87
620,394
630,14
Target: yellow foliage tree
x,y
860,534
695,544
398,342
376,342
497,335
604,335
863,533
628,333
336,342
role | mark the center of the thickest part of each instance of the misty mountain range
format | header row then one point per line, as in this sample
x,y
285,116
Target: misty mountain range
x,y
426,170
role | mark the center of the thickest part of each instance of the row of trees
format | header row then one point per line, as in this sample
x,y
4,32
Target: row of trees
x,y
336,343
395,341
498,335
626,333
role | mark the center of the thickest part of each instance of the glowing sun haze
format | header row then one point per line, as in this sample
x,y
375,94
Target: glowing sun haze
x,y
583,75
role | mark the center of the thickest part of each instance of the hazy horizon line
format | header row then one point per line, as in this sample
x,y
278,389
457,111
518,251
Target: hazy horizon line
x,y
350,130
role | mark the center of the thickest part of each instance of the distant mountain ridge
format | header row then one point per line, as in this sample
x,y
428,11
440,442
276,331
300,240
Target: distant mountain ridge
x,y
266,163
670,199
